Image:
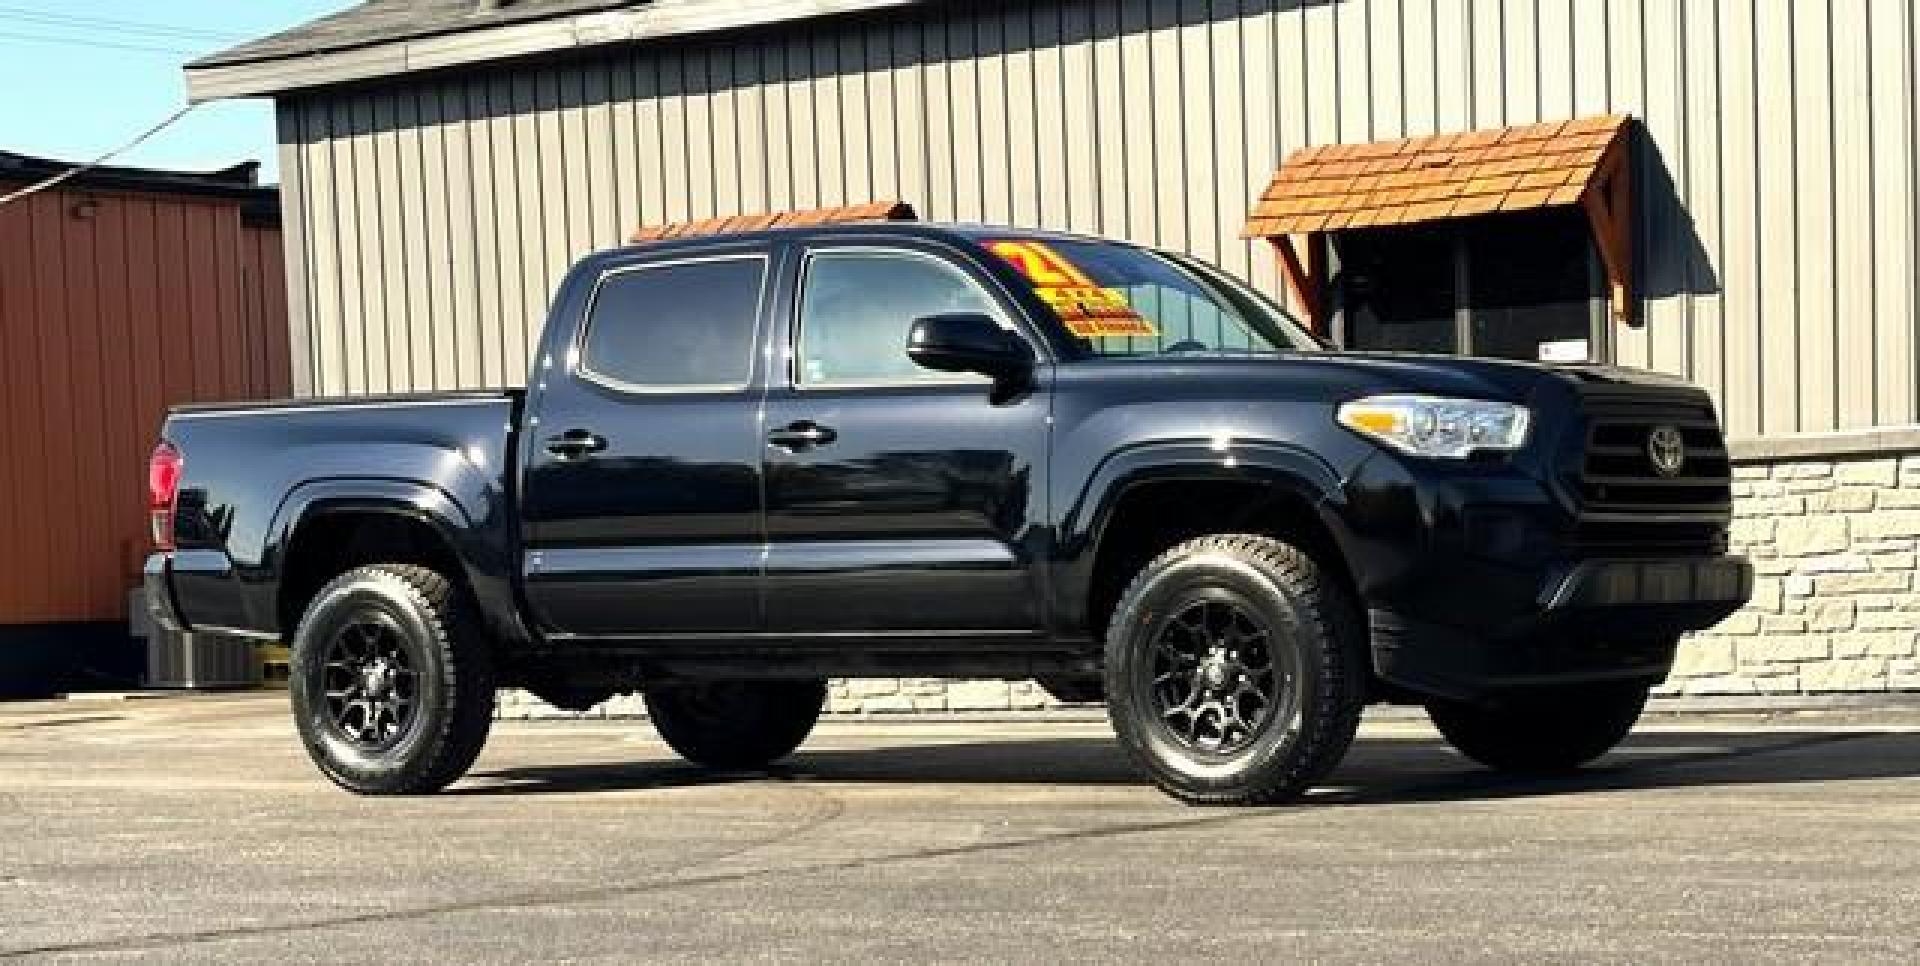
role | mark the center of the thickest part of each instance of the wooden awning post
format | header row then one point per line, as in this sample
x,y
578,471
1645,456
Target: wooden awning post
x,y
1608,202
1309,279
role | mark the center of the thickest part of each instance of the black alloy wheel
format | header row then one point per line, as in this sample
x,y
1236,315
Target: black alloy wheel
x,y
392,681
1234,670
372,690
1216,683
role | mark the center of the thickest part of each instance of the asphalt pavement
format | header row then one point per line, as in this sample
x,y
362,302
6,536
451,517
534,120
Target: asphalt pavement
x,y
193,829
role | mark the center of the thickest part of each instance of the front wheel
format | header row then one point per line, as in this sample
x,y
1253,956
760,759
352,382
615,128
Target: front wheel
x,y
736,724
1549,732
392,681
1233,674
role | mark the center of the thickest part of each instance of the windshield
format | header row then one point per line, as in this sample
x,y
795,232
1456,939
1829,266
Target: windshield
x,y
1117,300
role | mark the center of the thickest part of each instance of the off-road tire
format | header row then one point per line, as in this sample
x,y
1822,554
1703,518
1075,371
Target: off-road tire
x,y
736,725
455,680
1306,612
1550,732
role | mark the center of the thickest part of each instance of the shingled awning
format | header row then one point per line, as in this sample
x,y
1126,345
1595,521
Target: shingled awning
x,y
874,211
1340,187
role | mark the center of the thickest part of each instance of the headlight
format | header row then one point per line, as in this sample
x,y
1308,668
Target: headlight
x,y
1437,427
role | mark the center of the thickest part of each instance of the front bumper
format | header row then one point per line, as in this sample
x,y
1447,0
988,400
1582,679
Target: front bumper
x,y
1480,579
1596,620
1715,586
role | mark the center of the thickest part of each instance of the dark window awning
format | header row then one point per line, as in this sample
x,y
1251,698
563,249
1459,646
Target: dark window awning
x,y
1340,187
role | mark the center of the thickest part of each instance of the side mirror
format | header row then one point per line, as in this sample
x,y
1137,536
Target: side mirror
x,y
969,343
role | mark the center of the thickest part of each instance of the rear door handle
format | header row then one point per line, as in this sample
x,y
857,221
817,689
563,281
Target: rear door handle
x,y
575,443
805,434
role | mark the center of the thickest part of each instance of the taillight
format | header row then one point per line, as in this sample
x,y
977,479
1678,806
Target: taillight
x,y
163,492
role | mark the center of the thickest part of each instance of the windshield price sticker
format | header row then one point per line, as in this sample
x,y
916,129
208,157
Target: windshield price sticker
x,y
1089,310
1093,313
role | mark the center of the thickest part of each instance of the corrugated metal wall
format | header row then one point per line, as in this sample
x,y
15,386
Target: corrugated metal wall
x,y
105,321
1777,240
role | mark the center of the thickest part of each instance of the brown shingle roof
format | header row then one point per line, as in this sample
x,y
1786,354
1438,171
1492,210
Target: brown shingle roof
x,y
385,21
875,211
1340,186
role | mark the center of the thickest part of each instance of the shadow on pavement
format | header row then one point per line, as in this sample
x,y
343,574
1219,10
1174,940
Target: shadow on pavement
x,y
1378,771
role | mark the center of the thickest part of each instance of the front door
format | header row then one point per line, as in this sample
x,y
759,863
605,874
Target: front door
x,y
642,491
899,499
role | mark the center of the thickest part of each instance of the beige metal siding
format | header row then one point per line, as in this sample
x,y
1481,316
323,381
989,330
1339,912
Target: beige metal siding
x,y
430,220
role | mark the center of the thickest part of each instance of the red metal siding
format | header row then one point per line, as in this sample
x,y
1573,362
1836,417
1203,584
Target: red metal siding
x,y
106,320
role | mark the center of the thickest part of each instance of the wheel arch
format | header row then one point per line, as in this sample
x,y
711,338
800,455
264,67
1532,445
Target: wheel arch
x,y
1147,499
326,528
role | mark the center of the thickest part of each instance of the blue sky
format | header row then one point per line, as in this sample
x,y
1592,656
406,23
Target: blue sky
x,y
83,76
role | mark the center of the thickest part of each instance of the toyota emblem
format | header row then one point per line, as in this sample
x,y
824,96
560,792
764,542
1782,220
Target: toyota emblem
x,y
1667,450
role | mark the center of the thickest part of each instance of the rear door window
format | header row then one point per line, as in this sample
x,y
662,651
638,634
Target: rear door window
x,y
676,325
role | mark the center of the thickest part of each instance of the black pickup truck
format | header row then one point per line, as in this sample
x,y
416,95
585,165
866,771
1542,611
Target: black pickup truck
x,y
745,464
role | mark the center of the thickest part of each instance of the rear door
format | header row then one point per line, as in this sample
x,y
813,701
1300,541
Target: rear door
x,y
641,501
899,499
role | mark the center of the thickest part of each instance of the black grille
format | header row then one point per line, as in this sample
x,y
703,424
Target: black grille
x,y
1619,471
1626,504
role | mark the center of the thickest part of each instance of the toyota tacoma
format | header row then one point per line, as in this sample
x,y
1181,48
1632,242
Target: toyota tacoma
x,y
745,464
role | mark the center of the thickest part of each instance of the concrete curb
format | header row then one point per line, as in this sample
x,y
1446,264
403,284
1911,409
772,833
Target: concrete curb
x,y
1677,706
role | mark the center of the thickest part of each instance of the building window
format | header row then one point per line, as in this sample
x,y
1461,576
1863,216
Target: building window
x,y
1509,286
1396,289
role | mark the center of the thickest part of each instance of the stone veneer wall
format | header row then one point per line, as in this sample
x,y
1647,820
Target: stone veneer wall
x,y
1836,608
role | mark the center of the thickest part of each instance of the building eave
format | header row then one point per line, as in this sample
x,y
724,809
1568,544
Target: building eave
x,y
660,20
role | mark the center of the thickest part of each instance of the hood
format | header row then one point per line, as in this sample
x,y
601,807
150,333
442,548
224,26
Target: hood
x,y
1488,378
1336,375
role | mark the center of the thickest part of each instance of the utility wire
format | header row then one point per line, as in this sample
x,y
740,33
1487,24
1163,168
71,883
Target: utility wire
x,y
120,26
80,169
100,44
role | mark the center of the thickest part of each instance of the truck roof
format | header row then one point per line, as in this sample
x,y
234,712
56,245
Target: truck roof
x,y
949,231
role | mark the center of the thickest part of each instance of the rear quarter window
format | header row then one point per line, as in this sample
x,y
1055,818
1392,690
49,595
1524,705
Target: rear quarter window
x,y
679,325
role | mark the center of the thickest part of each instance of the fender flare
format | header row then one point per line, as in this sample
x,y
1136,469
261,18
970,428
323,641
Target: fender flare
x,y
1278,464
1282,464
486,568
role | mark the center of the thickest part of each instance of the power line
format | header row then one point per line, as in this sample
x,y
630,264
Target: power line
x,y
169,31
80,169
101,44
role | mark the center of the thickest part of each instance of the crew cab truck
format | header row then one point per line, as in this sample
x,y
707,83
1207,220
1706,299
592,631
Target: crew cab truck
x,y
745,464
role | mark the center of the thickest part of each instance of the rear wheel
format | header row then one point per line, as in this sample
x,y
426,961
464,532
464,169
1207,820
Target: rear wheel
x,y
1549,732
392,681
736,724
1232,671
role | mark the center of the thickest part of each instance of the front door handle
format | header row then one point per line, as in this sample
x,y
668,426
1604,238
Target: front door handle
x,y
805,434
575,443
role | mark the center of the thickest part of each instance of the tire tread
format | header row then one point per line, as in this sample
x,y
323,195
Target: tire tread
x,y
1340,692
468,692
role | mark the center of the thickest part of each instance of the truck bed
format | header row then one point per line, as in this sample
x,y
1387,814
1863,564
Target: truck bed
x,y
253,471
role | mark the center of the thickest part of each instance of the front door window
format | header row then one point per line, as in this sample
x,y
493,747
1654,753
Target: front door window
x,y
856,309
